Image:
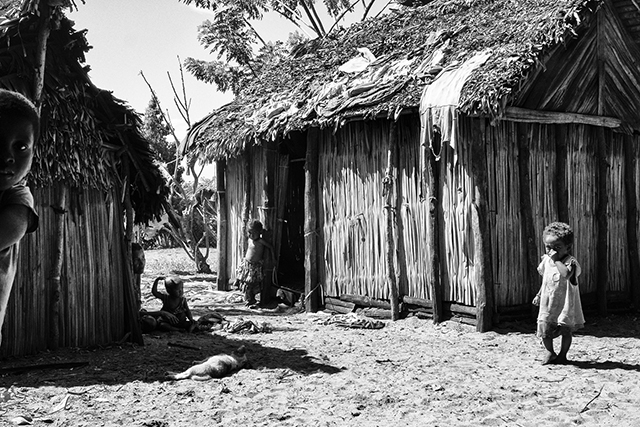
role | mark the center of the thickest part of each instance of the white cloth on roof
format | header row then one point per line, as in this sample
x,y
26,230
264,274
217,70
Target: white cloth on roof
x,y
441,98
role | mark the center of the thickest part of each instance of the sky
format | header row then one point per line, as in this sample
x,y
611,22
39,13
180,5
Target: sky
x,y
130,36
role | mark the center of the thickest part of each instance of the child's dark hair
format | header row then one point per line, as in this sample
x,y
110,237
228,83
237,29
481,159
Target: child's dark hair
x,y
172,282
561,230
255,225
14,104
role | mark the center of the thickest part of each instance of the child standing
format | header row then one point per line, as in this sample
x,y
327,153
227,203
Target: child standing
x,y
19,129
249,272
559,296
175,314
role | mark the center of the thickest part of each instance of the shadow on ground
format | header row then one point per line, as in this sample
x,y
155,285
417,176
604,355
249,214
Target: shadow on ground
x,y
162,352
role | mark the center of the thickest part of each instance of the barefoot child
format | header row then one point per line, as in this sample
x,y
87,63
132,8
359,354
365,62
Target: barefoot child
x,y
19,129
249,272
174,314
559,296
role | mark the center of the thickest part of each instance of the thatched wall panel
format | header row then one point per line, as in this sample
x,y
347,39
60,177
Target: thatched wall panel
x,y
412,214
92,279
509,263
457,243
583,198
352,216
618,250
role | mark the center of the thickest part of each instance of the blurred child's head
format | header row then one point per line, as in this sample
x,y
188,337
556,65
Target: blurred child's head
x,y
19,129
148,323
559,237
254,229
174,286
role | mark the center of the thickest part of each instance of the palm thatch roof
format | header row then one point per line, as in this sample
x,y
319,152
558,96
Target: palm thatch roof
x,y
87,135
408,49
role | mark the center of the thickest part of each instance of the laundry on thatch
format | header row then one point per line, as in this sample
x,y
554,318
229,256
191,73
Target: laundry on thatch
x,y
249,327
352,320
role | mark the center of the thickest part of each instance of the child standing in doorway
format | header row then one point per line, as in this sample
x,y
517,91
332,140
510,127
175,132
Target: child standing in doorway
x,y
250,271
559,296
19,130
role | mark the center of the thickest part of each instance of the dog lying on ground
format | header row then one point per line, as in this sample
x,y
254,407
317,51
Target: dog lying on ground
x,y
217,366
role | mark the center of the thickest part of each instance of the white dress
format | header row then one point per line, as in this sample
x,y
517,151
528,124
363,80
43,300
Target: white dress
x,y
559,298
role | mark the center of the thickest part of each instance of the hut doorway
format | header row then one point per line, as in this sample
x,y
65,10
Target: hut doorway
x,y
291,257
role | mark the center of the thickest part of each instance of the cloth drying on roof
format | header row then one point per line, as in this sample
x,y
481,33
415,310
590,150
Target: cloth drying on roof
x,y
440,100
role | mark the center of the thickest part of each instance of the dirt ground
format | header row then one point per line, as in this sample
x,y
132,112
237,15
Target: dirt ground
x,y
309,370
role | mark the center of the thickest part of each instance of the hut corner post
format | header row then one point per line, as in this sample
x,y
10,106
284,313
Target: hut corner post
x,y
480,224
311,277
56,269
602,254
388,195
223,274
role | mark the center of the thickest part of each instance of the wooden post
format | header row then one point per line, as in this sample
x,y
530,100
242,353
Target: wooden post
x,y
246,212
432,194
528,229
388,194
132,311
56,268
270,152
630,164
223,274
311,280
602,273
480,224
561,172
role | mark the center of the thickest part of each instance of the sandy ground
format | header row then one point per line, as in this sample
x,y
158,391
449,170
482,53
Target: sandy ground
x,y
310,371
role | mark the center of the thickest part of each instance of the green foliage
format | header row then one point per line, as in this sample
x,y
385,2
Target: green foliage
x,y
230,36
155,130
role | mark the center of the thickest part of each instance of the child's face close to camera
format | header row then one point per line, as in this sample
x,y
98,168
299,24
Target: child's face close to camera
x,y
554,245
254,235
16,150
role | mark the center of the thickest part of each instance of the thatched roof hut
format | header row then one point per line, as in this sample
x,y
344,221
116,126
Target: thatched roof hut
x,y
489,117
92,168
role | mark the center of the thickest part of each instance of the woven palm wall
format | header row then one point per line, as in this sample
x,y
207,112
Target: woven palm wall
x,y
92,280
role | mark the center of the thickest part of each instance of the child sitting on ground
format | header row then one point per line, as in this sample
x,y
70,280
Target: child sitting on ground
x,y
249,272
559,296
19,130
174,314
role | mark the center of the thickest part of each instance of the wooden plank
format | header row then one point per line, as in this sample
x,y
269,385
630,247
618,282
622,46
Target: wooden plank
x,y
311,282
525,115
334,304
223,272
419,301
365,301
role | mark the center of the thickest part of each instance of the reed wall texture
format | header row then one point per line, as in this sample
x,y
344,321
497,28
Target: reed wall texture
x,y
92,280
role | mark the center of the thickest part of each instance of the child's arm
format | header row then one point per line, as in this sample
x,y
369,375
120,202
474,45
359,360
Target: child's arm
x,y
270,247
188,311
562,268
14,224
154,288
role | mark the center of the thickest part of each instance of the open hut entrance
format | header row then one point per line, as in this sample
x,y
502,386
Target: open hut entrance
x,y
291,257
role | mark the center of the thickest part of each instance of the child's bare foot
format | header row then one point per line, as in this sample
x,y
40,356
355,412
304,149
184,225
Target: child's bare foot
x,y
560,360
549,358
